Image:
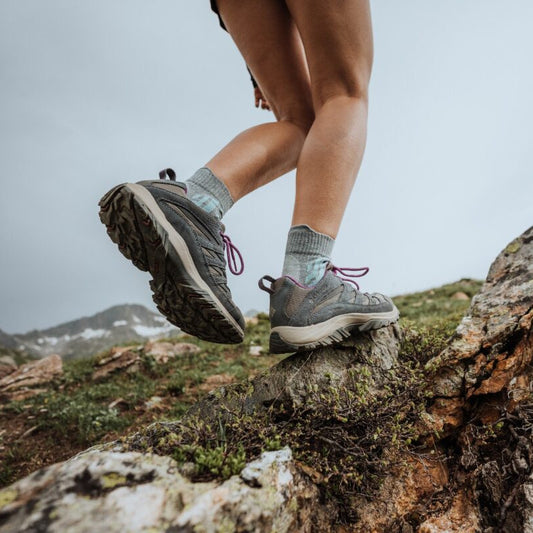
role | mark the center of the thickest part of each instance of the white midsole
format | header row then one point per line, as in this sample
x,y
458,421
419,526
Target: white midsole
x,y
179,244
299,335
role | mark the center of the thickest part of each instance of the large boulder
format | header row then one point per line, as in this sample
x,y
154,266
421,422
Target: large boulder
x,y
129,492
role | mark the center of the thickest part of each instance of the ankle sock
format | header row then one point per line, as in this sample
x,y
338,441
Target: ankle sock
x,y
205,190
307,255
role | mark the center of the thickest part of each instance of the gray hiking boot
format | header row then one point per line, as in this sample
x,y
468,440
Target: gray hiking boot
x,y
303,318
161,231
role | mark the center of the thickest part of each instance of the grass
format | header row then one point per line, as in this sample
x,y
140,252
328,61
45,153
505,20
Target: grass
x,y
78,412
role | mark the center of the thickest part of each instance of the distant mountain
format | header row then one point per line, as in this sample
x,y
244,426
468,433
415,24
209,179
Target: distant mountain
x,y
90,335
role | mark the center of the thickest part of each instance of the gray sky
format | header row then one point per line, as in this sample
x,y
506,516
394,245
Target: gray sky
x,y
95,93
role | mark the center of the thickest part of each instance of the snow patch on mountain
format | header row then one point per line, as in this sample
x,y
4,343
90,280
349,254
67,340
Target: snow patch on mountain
x,y
90,335
146,331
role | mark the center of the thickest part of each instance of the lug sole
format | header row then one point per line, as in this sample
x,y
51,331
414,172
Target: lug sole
x,y
285,339
151,244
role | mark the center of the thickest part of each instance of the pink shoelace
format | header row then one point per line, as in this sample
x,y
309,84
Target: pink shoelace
x,y
232,253
349,273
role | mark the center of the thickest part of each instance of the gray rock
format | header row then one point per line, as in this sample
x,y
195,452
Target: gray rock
x,y
130,492
301,377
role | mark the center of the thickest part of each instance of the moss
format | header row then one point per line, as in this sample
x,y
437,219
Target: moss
x,y
513,247
7,496
112,480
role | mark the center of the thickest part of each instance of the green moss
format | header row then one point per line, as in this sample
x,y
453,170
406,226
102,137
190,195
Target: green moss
x,y
513,247
112,480
7,496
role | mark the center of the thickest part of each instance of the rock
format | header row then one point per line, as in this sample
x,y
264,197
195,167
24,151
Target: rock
x,y
527,489
255,350
127,492
7,366
461,517
163,351
372,354
493,345
120,358
417,480
460,296
23,382
154,402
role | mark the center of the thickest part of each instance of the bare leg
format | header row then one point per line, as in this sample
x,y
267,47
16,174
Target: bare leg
x,y
337,38
271,46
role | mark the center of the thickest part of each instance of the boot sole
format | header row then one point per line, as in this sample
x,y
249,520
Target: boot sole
x,y
284,339
137,225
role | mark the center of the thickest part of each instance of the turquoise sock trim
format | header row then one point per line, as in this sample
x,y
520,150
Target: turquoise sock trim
x,y
307,255
205,190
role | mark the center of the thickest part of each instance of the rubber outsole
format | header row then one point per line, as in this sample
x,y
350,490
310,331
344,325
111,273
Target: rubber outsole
x,y
280,345
143,240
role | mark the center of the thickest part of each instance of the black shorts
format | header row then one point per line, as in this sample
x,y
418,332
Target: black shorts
x,y
215,9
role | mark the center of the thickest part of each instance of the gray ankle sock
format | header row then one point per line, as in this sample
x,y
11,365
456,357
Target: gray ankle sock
x,y
205,190
307,255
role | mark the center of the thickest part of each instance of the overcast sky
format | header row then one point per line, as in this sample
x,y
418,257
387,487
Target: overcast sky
x,y
100,92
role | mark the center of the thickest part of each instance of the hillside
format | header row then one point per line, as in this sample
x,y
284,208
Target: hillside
x,y
80,410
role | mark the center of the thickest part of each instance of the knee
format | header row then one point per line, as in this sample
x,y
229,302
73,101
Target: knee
x,y
303,121
296,109
301,116
353,86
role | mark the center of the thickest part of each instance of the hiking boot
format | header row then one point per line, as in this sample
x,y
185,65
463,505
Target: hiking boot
x,y
161,231
303,318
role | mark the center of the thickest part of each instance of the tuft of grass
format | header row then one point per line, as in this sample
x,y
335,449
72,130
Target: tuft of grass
x,y
437,305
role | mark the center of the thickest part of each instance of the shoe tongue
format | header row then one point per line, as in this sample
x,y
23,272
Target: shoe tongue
x,y
171,186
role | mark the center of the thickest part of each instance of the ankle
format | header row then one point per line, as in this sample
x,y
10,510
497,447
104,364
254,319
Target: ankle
x,y
307,255
208,192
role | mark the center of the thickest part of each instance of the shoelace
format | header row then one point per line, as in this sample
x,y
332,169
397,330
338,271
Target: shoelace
x,y
232,252
349,273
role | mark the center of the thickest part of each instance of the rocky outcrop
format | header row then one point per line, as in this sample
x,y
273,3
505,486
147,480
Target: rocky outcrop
x,y
127,492
444,448
30,378
493,346
120,358
162,351
476,435
129,358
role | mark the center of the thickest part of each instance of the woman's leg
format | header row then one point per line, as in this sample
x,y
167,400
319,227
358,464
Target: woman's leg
x,y
337,37
270,44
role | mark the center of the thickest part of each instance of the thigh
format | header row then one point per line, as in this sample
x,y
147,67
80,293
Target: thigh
x,y
269,42
337,37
